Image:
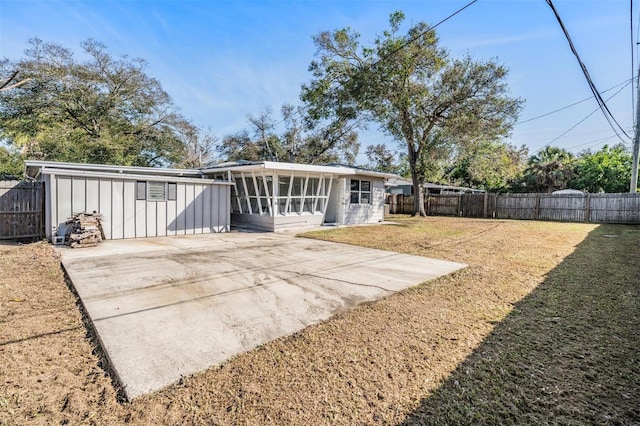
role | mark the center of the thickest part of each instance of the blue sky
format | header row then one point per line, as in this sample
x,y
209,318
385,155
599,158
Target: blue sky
x,y
221,60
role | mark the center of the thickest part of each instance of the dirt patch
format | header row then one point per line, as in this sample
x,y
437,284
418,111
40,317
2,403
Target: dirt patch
x,y
410,357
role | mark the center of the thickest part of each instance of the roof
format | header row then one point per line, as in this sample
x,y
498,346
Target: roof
x,y
405,182
35,168
337,169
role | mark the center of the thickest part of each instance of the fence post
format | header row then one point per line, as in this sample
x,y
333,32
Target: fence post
x,y
485,207
537,208
587,208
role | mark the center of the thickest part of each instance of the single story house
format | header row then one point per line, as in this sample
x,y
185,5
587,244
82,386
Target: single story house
x,y
139,202
405,187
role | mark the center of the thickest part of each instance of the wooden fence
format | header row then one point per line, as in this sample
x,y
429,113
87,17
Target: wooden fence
x,y
21,210
598,208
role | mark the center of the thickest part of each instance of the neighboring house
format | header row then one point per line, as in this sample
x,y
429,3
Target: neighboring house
x,y
147,202
405,187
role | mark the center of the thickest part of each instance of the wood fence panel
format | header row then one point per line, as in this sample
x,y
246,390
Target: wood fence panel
x,y
517,206
473,205
562,208
598,208
615,208
21,210
444,205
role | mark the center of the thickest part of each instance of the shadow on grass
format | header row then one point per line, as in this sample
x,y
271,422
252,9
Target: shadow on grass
x,y
568,353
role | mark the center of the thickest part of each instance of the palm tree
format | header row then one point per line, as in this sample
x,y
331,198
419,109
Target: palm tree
x,y
549,170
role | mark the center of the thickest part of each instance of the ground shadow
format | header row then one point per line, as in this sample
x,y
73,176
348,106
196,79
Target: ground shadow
x,y
566,354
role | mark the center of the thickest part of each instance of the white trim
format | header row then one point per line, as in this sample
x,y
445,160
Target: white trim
x,y
129,176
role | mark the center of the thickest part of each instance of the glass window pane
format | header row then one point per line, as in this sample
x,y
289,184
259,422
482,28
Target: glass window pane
x,y
312,187
365,197
298,184
251,188
243,203
308,205
295,205
355,185
234,205
141,190
282,202
365,185
173,191
355,197
283,187
254,205
240,187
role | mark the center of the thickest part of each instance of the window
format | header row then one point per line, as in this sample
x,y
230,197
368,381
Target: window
x,y
360,192
156,191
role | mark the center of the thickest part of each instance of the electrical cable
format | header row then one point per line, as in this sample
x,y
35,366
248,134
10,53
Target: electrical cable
x,y
584,119
573,104
633,95
404,45
601,103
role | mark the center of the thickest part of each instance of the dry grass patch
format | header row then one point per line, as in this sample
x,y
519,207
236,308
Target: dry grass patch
x,y
403,358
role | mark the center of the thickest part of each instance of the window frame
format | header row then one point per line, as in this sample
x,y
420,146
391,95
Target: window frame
x,y
356,192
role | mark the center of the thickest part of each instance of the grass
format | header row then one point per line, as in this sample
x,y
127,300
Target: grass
x,y
541,328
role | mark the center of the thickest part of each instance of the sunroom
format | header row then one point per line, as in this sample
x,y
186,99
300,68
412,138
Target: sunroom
x,y
272,195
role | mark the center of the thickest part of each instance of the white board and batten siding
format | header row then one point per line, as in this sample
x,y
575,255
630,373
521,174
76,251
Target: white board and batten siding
x,y
200,205
372,212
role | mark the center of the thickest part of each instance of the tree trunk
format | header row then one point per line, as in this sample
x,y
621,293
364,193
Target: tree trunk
x,y
418,196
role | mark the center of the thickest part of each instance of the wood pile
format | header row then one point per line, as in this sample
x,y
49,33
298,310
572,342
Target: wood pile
x,y
84,230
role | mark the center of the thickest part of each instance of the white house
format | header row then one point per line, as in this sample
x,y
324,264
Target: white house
x,y
144,202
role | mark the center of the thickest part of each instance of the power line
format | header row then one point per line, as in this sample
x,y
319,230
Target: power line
x,y
583,120
573,104
404,45
633,95
601,103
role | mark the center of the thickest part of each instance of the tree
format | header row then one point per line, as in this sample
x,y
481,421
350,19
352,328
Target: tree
x,y
412,89
303,139
381,159
549,170
606,170
489,165
100,109
11,163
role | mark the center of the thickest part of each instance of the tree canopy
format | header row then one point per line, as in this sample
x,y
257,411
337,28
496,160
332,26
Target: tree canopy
x,y
606,170
413,90
303,139
97,109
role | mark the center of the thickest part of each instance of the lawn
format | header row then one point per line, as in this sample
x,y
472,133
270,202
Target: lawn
x,y
542,327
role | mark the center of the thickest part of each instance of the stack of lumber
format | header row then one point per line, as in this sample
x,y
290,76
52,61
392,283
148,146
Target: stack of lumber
x,y
84,230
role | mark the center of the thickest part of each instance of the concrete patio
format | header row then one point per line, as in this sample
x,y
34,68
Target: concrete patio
x,y
168,307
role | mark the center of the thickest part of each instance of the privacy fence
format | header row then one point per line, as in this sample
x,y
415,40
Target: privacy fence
x,y
21,210
599,208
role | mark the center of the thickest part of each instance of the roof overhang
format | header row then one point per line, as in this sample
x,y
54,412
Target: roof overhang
x,y
296,167
34,168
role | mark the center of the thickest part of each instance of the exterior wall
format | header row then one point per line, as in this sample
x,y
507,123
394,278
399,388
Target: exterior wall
x,y
363,213
199,207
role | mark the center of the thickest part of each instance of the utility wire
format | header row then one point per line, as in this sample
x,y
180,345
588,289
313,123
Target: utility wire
x,y
633,94
403,46
573,104
583,120
601,103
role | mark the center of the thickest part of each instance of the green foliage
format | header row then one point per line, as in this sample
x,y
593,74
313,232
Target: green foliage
x,y
304,140
606,170
409,86
549,170
11,163
100,109
381,159
488,165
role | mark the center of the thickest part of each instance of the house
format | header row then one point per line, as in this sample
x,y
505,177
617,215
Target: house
x,y
405,187
141,202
